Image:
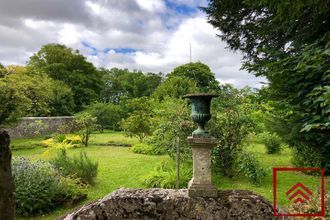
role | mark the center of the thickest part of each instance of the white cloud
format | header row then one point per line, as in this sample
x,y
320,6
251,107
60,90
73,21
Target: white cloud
x,y
155,34
68,35
94,7
152,5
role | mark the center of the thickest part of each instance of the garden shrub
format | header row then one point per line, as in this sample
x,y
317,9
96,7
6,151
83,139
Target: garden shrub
x,y
108,115
249,165
74,140
39,187
63,141
272,143
305,157
172,120
164,175
147,149
71,188
86,124
231,124
59,138
79,166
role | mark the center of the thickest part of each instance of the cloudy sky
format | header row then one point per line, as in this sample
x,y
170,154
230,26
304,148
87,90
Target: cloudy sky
x,y
147,35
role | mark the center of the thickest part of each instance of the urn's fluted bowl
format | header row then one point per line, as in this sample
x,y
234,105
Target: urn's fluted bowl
x,y
200,110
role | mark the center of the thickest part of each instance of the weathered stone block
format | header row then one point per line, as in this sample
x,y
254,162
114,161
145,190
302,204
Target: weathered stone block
x,y
175,204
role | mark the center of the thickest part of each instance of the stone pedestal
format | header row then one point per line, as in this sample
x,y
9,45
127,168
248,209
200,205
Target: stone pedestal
x,y
201,183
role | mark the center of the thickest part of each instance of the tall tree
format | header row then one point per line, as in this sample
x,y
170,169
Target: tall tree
x,y
288,42
63,100
2,70
175,87
199,73
121,84
64,64
24,91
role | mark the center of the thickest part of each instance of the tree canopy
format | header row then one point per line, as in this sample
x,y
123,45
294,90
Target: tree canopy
x,y
197,72
288,42
258,27
24,91
64,64
175,87
121,84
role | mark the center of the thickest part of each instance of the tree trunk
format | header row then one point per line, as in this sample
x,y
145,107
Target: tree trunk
x,y
7,187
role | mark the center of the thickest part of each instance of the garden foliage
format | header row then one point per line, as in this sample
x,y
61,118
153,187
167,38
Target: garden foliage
x,y
164,175
231,124
80,167
24,92
139,121
86,124
62,141
69,66
147,149
122,84
287,42
107,115
249,166
272,143
172,120
39,187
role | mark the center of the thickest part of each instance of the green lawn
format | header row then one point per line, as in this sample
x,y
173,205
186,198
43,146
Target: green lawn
x,y
119,167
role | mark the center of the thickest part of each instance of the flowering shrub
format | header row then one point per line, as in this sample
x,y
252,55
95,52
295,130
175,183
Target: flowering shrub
x,y
62,142
65,141
311,206
74,140
39,187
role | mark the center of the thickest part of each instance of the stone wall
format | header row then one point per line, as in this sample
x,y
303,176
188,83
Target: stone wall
x,y
175,204
35,126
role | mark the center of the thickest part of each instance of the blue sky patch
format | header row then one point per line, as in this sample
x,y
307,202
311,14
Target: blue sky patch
x,y
124,50
93,50
181,8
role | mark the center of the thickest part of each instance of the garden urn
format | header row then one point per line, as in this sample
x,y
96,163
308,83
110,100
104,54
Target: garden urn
x,y
201,143
200,111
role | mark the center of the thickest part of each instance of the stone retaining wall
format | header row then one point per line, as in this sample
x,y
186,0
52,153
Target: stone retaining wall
x,y
36,126
175,204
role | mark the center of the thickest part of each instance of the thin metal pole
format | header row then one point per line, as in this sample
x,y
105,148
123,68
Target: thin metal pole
x,y
190,52
177,162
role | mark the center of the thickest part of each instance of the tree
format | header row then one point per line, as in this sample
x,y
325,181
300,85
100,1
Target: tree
x,y
121,84
199,73
258,27
86,124
108,115
64,64
2,70
24,91
171,119
139,121
175,87
288,42
63,100
230,124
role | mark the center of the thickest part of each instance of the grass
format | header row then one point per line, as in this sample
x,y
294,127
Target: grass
x,y
119,167
285,180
